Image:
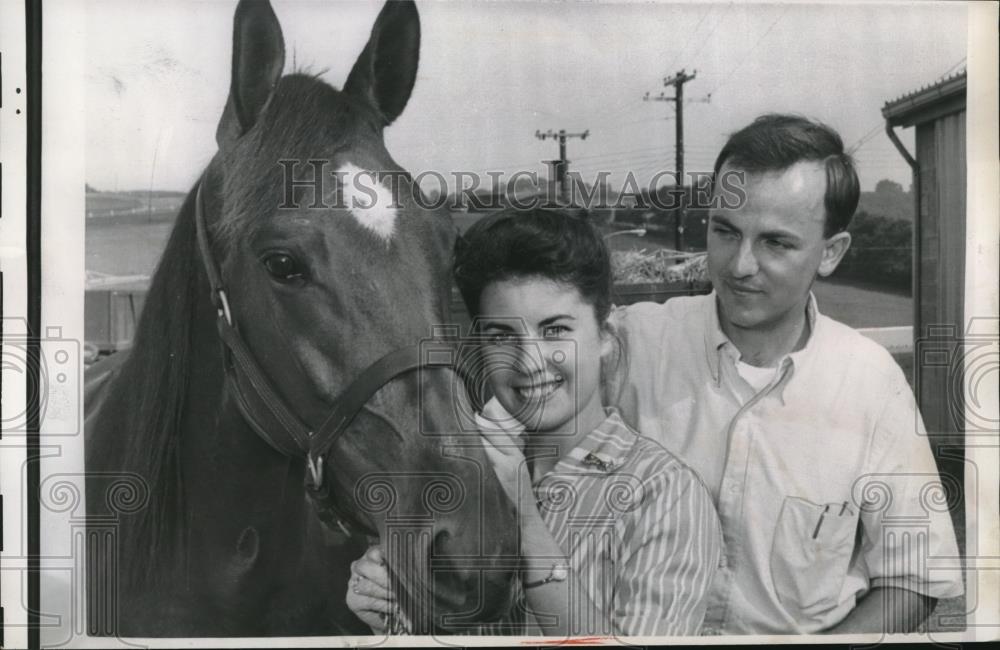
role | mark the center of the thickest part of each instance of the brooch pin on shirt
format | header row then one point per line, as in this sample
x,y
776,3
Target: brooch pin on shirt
x,y
594,460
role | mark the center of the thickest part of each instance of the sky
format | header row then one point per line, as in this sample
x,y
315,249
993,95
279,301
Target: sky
x,y
493,73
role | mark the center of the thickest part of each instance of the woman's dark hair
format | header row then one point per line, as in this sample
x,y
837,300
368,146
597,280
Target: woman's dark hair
x,y
534,243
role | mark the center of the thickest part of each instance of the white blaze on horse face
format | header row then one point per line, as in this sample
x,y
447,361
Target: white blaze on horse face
x,y
376,213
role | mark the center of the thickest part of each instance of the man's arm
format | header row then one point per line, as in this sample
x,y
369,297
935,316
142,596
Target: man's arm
x,y
900,532
886,609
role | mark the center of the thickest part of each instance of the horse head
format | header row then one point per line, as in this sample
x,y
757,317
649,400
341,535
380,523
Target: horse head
x,y
319,259
332,262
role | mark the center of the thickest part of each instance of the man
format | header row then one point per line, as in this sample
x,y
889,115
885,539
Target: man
x,y
805,432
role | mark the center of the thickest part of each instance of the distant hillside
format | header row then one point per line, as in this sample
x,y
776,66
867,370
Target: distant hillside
x,y
99,203
156,194
888,200
137,203
525,190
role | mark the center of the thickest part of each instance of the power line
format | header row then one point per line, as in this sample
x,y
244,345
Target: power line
x,y
642,121
683,49
626,162
617,153
878,127
639,161
708,37
610,161
865,138
660,154
746,57
602,157
632,111
622,106
669,118
952,68
630,161
605,110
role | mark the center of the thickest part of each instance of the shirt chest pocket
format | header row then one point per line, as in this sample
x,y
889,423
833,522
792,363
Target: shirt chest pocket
x,y
810,555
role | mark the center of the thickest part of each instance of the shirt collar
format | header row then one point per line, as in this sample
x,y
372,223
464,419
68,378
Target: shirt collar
x,y
605,449
718,344
715,338
812,316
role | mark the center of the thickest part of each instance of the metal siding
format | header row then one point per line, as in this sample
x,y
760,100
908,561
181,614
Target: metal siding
x,y
941,265
950,134
927,253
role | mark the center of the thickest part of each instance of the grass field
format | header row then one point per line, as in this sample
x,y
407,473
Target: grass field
x,y
106,204
118,248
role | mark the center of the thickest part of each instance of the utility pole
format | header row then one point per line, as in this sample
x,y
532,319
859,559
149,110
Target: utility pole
x,y
562,165
677,81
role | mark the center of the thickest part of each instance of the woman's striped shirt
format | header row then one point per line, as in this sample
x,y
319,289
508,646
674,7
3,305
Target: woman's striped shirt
x,y
639,530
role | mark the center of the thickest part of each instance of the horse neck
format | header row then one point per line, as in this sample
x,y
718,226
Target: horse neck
x,y
173,366
242,501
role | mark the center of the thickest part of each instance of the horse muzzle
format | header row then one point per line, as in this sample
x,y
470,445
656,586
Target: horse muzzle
x,y
447,592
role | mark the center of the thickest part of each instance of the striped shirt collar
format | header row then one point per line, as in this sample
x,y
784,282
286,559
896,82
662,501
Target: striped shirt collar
x,y
604,450
718,344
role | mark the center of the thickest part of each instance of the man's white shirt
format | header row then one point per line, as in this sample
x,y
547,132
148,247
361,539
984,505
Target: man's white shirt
x,y
823,478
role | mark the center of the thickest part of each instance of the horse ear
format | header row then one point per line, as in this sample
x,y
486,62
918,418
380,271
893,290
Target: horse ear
x,y
385,72
258,59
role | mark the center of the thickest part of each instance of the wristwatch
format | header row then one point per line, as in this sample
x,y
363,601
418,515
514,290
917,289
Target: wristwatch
x,y
558,573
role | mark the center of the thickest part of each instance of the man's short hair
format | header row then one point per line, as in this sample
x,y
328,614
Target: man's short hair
x,y
775,142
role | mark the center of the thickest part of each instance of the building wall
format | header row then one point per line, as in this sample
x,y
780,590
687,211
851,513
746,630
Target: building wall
x,y
940,269
940,147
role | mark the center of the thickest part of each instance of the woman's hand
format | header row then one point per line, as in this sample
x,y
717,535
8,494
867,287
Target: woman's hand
x,y
505,454
368,593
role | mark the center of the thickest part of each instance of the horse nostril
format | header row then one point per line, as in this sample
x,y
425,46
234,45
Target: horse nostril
x,y
248,545
441,539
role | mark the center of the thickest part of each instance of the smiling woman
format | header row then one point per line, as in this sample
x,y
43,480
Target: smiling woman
x,y
617,535
543,354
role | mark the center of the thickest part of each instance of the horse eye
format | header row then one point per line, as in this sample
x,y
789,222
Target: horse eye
x,y
283,267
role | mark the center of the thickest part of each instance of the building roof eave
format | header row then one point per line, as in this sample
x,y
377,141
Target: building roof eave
x,y
946,96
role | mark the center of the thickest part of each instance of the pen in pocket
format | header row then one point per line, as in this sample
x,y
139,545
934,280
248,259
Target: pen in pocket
x,y
820,522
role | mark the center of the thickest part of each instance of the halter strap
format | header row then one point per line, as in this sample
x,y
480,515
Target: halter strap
x,y
267,413
257,400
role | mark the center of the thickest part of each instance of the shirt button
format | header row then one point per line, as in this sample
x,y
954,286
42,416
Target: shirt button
x,y
734,487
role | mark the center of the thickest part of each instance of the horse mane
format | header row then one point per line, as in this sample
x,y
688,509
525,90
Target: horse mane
x,y
150,393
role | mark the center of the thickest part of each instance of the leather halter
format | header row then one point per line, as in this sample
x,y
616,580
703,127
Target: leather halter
x,y
268,414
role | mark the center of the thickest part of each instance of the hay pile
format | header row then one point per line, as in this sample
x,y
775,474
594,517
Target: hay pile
x,y
642,266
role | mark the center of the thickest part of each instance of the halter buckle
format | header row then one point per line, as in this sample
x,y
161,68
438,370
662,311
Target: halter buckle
x,y
343,528
223,307
315,471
